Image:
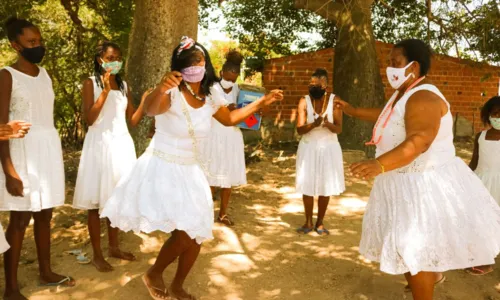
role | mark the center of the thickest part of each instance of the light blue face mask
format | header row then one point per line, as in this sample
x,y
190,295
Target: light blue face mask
x,y
495,123
115,66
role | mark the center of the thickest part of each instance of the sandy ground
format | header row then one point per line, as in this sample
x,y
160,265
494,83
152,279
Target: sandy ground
x,y
260,258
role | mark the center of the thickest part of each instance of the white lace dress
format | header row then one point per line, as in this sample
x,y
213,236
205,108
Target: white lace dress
x,y
488,167
319,165
167,188
433,215
108,152
38,157
225,149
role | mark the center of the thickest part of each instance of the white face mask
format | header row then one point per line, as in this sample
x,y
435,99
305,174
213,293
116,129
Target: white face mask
x,y
495,123
397,76
226,84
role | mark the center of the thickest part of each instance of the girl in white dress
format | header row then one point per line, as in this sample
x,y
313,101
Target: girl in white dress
x,y
319,167
486,159
167,188
225,150
108,151
428,212
32,181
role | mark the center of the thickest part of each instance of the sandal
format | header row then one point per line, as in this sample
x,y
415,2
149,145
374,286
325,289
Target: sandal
x,y
475,271
65,282
151,289
82,259
225,220
323,231
304,230
440,281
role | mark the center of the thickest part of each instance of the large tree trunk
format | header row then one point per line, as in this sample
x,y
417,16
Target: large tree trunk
x,y
157,29
356,69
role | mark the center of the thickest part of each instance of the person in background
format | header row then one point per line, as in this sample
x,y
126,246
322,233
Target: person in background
x,y
486,159
319,166
427,212
108,150
225,149
167,189
32,181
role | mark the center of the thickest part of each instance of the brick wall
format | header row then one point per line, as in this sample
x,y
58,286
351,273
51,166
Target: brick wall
x,y
461,81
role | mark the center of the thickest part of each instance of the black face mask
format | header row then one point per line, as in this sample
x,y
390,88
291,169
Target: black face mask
x,y
316,92
33,55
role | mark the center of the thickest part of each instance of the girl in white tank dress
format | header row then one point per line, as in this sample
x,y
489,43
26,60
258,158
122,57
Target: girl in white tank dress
x,y
225,150
167,188
108,150
428,212
319,165
32,182
486,159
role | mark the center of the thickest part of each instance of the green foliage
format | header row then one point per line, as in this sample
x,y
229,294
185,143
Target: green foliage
x,y
71,30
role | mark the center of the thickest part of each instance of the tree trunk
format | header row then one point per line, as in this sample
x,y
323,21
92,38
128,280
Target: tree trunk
x,y
357,72
157,29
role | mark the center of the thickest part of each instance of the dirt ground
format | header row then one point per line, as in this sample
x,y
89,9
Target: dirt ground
x,y
260,258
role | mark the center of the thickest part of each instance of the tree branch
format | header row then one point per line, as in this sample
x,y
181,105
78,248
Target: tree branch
x,y
73,14
328,9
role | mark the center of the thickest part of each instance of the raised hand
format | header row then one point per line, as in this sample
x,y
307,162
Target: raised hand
x,y
273,96
318,121
146,93
347,108
105,79
171,80
19,128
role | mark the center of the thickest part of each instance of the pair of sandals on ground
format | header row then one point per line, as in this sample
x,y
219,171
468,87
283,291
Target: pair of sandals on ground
x,y
320,229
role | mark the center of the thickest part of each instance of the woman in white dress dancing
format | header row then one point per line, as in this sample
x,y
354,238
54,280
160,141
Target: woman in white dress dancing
x,y
225,149
320,169
108,150
428,212
167,189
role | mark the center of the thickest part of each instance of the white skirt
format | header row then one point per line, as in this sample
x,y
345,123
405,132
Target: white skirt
x,y
225,155
161,195
106,157
439,220
319,167
38,160
491,180
4,246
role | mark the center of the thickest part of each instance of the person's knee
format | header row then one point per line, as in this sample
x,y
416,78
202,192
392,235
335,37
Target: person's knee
x,y
183,239
20,220
44,216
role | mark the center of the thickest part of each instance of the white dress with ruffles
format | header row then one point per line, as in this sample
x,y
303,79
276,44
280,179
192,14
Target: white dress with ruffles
x,y
167,188
319,165
488,167
225,149
432,215
108,152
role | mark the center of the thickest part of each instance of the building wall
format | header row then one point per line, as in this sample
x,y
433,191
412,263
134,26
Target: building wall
x,y
465,84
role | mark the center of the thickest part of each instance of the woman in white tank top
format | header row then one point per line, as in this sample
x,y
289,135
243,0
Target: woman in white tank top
x,y
428,212
108,151
32,181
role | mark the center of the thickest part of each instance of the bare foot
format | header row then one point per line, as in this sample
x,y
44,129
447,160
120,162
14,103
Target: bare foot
x,y
15,295
117,253
155,286
180,294
102,265
56,279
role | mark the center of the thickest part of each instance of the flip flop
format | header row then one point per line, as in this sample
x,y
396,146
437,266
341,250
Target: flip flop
x,y
304,230
83,259
74,252
478,272
225,220
440,281
323,231
152,288
59,283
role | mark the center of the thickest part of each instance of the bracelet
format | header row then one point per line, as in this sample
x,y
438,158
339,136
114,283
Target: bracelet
x,y
381,165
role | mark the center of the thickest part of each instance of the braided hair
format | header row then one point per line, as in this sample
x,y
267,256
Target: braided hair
x,y
99,70
234,59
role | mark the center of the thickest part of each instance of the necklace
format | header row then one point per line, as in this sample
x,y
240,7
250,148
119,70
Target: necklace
x,y
316,115
190,90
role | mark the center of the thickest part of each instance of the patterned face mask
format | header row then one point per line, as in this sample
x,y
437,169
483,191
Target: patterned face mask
x,y
115,66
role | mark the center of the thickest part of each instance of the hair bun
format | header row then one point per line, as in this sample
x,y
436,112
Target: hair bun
x,y
234,57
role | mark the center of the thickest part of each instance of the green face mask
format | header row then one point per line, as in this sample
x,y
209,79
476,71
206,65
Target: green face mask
x,y
495,123
115,66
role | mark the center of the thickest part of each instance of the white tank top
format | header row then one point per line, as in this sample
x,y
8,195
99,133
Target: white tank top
x,y
442,149
319,132
489,155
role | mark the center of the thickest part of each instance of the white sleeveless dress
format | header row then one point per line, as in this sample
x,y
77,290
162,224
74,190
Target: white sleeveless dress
x,y
432,215
167,188
319,166
108,152
488,168
225,149
38,157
